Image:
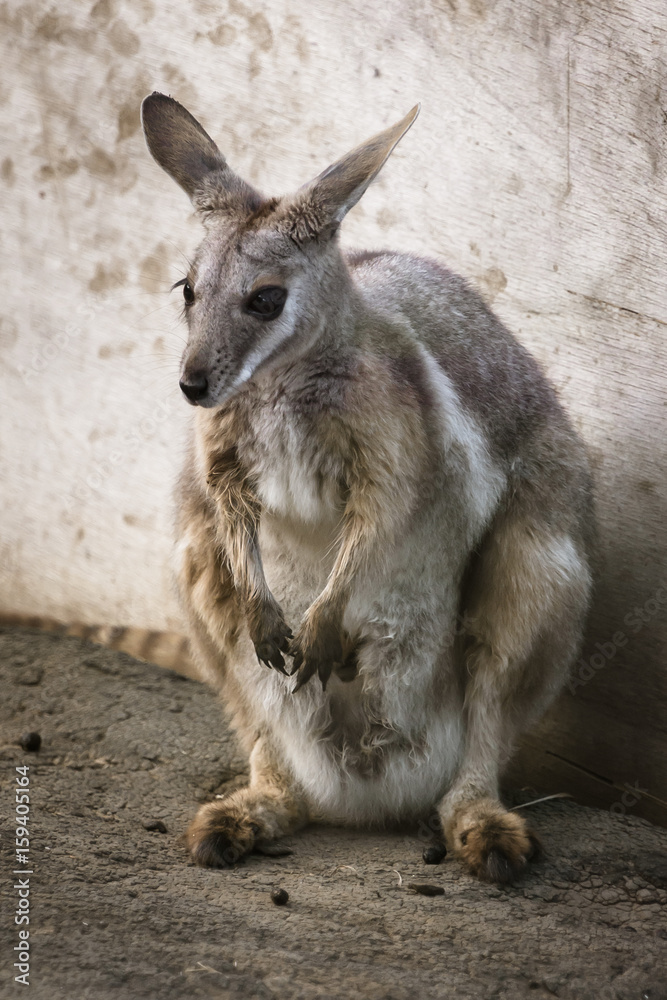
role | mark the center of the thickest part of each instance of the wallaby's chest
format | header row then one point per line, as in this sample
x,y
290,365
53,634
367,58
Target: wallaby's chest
x,y
291,467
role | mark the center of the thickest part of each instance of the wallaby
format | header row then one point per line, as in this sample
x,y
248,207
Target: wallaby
x,y
377,463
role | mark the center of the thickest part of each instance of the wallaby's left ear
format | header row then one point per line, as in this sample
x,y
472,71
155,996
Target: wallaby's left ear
x,y
188,154
335,191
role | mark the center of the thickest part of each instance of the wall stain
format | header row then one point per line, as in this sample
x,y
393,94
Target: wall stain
x,y
103,11
259,30
491,282
7,171
303,49
206,7
100,164
254,65
153,270
122,350
147,9
515,184
9,333
11,18
58,170
386,219
123,39
179,85
468,9
222,34
55,27
106,278
131,96
129,120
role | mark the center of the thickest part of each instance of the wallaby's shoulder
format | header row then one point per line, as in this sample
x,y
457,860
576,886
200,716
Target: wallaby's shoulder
x,y
444,309
495,377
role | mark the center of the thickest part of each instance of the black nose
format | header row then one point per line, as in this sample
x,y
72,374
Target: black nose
x,y
194,386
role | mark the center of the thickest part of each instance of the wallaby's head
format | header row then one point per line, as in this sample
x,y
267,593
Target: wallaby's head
x,y
268,276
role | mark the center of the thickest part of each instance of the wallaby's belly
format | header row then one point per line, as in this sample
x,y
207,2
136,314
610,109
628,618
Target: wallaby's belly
x,y
388,743
352,784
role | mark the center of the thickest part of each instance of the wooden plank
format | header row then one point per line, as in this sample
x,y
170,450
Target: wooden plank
x,y
538,169
542,771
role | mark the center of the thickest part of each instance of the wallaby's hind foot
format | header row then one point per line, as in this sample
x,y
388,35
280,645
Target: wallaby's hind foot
x,y
248,819
494,844
220,835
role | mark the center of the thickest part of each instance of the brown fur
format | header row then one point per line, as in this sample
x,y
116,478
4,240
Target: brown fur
x,y
383,438
495,844
223,831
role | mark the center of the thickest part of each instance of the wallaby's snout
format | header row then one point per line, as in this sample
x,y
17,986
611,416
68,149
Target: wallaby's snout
x,y
239,310
194,386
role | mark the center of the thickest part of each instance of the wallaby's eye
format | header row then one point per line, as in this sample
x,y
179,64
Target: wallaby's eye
x,y
267,303
188,290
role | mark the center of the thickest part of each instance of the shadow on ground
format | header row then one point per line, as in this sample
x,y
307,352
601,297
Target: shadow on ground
x,y
118,911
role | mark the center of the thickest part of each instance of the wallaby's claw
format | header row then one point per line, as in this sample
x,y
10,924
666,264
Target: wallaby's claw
x,y
306,668
297,661
269,654
272,643
324,669
305,672
321,649
349,668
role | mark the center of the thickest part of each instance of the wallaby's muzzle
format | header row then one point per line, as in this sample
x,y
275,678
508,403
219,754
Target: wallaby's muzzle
x,y
194,386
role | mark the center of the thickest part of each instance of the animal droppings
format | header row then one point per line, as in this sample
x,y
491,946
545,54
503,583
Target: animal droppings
x,y
154,825
424,889
434,854
31,742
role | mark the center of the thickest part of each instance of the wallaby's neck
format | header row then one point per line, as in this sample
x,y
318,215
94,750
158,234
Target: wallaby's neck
x,y
343,307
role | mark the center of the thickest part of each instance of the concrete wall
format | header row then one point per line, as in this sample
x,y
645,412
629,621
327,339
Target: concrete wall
x,y
537,168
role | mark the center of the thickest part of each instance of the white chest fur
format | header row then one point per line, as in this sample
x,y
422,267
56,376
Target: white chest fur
x,y
288,472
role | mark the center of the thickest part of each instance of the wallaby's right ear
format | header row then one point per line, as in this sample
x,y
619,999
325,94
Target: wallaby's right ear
x,y
180,145
335,191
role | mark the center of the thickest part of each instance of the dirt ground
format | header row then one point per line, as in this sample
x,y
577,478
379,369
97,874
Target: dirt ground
x,y
118,911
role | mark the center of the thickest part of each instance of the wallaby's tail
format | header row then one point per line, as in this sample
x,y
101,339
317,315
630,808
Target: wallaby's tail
x,y
166,649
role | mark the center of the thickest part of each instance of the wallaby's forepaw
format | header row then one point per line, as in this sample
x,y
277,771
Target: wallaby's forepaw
x,y
318,647
218,837
270,634
495,844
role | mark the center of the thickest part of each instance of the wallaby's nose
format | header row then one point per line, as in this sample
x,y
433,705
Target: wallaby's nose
x,y
194,386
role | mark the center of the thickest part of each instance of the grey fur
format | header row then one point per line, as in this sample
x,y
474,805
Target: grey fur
x,y
387,466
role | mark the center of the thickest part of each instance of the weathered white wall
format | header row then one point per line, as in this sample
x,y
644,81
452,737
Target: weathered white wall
x,y
537,168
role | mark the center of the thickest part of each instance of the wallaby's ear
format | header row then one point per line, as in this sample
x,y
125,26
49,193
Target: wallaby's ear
x,y
180,145
340,186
